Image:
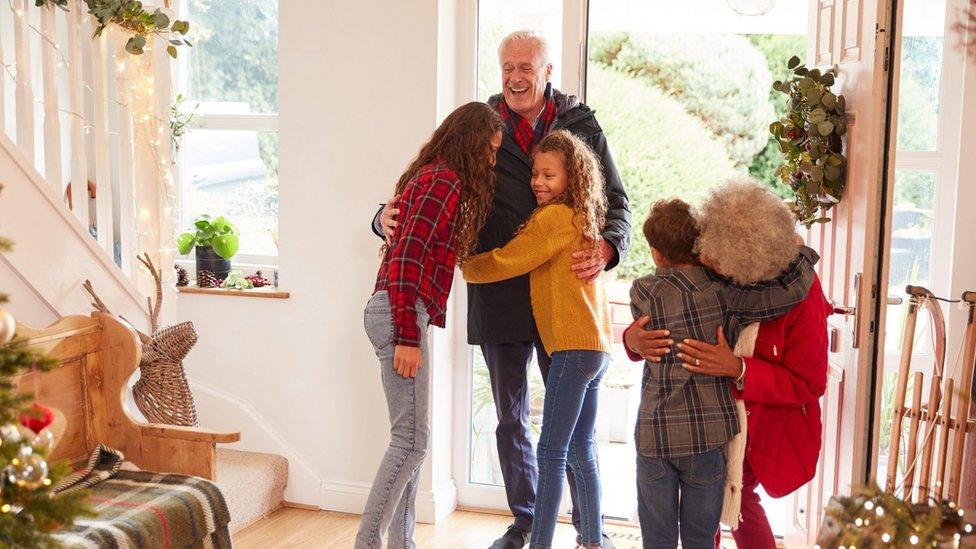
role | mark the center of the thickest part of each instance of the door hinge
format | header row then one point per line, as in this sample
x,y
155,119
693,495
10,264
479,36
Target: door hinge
x,y
886,59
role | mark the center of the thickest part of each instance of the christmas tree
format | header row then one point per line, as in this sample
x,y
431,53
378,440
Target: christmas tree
x,y
29,510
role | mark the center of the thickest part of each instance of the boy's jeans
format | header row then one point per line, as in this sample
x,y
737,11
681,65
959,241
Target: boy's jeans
x,y
568,419
684,490
392,498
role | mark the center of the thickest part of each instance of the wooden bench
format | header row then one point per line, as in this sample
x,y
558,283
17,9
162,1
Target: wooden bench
x,y
95,357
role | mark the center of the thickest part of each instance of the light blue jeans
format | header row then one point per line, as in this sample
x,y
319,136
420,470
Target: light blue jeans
x,y
391,505
568,420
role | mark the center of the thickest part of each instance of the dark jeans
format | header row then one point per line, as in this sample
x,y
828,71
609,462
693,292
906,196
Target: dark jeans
x,y
508,369
686,491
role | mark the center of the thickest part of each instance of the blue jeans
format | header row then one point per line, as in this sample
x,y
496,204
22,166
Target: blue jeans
x,y
391,505
569,416
686,491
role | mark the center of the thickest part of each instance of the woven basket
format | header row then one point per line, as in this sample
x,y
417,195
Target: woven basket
x,y
162,392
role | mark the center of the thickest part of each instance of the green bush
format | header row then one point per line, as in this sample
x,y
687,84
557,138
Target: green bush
x,y
721,79
660,150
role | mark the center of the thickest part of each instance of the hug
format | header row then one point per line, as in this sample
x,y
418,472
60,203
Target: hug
x,y
523,195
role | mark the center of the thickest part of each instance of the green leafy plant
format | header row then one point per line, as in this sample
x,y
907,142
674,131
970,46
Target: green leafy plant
x,y
133,17
217,233
810,136
179,122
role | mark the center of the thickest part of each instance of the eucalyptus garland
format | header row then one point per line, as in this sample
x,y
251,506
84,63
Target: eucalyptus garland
x,y
810,136
133,17
874,518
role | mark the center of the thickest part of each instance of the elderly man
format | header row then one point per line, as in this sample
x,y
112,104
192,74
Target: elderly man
x,y
500,315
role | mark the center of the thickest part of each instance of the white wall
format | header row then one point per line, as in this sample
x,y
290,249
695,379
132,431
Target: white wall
x,y
358,89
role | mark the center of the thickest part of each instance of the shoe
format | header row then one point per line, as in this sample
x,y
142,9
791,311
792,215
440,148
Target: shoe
x,y
513,538
606,543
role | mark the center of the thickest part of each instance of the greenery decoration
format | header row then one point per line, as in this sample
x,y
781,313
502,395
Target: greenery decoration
x,y
237,281
218,233
29,511
133,17
179,122
810,136
874,518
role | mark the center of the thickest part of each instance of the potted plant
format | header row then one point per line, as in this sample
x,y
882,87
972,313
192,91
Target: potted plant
x,y
216,241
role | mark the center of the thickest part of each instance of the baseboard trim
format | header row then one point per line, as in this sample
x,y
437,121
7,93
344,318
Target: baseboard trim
x,y
304,506
350,497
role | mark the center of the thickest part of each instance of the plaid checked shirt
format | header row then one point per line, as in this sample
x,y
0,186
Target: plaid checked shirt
x,y
681,413
420,263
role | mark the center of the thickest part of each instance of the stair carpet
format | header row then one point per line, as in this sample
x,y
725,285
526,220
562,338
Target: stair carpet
x,y
252,483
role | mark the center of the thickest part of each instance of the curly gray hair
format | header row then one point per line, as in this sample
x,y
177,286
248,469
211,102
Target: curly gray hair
x,y
747,233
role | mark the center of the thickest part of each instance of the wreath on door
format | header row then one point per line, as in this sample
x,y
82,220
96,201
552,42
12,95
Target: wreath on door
x,y
810,135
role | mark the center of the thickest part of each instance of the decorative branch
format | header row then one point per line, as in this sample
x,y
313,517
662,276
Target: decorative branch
x,y
157,275
132,16
966,27
97,302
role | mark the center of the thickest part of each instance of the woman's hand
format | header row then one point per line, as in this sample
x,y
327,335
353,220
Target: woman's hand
x,y
406,360
388,218
715,360
650,344
591,263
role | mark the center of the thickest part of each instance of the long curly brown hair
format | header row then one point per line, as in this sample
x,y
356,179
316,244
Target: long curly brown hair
x,y
585,192
463,142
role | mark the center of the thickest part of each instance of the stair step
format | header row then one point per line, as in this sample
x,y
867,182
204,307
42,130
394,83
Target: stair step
x,y
252,483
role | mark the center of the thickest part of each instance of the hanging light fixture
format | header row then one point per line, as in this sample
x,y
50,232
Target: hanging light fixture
x,y
751,7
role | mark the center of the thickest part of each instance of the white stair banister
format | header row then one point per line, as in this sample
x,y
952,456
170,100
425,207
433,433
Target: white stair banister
x,y
76,100
103,167
24,93
127,201
52,113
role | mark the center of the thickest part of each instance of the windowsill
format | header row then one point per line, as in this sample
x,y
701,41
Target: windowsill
x,y
267,292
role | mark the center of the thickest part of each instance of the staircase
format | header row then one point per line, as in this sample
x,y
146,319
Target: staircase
x,y
252,483
84,166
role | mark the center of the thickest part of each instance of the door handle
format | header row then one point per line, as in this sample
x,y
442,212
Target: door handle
x,y
841,309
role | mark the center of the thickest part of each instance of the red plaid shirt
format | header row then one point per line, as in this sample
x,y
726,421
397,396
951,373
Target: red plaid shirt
x,y
420,263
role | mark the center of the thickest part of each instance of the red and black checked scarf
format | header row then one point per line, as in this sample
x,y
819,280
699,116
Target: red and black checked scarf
x,y
525,135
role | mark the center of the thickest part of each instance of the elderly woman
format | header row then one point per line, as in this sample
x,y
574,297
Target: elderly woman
x,y
747,235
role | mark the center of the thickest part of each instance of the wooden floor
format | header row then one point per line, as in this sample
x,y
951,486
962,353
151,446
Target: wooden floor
x,y
300,528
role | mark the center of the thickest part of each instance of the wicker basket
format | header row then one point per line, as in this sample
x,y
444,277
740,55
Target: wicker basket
x,y
162,392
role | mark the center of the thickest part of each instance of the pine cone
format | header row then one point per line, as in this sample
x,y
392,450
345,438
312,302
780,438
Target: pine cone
x,y
206,279
182,277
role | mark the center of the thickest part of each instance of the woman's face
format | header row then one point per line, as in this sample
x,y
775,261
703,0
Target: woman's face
x,y
496,143
549,177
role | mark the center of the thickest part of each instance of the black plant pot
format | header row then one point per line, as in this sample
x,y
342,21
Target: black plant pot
x,y
208,260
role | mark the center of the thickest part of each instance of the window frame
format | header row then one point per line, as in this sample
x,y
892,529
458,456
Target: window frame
x,y
257,122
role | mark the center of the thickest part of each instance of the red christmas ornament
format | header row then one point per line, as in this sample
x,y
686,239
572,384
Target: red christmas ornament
x,y
37,418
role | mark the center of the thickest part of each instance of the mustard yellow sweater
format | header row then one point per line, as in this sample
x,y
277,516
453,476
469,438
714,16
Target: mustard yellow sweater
x,y
569,313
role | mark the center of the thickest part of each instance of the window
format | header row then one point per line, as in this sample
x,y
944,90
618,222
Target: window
x,y
228,162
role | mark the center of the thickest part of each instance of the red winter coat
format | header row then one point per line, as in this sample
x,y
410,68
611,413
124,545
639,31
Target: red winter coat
x,y
784,381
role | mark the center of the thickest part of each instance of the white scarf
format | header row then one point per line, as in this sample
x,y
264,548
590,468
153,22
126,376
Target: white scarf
x,y
735,448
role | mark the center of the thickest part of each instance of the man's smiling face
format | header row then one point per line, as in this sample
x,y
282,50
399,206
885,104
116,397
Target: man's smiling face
x,y
524,77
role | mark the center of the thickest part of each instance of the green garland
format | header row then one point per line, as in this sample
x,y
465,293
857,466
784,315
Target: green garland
x,y
133,17
874,518
809,135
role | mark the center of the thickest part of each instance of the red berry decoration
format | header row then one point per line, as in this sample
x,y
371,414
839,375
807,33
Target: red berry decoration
x,y
258,280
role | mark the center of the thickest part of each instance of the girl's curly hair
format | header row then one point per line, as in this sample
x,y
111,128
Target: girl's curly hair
x,y
585,192
746,232
463,142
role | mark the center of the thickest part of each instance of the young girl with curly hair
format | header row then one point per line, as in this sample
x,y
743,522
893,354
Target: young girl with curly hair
x,y
572,317
445,196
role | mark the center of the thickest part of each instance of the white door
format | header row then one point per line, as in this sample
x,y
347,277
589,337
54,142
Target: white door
x,y
853,36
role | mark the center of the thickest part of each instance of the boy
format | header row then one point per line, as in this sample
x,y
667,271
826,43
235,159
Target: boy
x,y
685,419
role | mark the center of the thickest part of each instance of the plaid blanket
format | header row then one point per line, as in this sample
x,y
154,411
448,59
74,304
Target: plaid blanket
x,y
141,509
